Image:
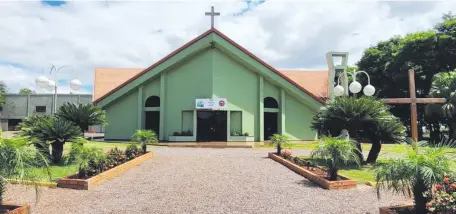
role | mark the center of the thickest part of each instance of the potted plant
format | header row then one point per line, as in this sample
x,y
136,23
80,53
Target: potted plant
x,y
18,157
144,137
238,136
279,140
336,153
183,136
413,174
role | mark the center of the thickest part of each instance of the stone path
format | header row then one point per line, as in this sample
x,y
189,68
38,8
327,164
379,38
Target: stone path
x,y
195,180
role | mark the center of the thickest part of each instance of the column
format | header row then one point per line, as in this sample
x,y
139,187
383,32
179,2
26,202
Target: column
x,y
261,108
28,105
140,107
162,106
282,111
194,125
228,125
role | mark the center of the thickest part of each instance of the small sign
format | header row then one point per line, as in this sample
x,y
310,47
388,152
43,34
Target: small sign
x,y
213,104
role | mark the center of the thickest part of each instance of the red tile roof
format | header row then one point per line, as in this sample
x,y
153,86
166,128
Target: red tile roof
x,y
310,83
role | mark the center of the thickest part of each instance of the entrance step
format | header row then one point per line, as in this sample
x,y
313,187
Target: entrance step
x,y
210,144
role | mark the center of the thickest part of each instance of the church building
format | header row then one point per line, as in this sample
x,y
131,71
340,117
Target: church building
x,y
210,89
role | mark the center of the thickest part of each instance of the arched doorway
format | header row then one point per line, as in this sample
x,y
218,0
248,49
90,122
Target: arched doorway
x,y
271,116
152,112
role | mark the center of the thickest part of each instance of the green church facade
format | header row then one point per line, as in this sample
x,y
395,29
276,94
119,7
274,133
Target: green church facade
x,y
259,100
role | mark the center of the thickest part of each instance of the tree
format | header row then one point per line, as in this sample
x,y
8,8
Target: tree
x,y
29,128
26,91
57,131
443,85
337,153
18,161
82,115
427,52
144,137
279,140
414,173
2,94
364,118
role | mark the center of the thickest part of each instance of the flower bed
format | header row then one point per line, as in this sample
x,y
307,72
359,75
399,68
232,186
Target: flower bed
x,y
313,173
75,182
14,209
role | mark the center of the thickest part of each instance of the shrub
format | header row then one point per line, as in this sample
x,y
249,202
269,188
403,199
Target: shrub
x,y
414,173
337,153
115,157
76,149
279,140
90,161
17,160
442,198
132,151
246,134
286,154
144,137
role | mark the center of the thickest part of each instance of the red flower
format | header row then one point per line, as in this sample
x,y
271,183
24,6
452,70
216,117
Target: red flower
x,y
453,186
438,186
428,204
446,180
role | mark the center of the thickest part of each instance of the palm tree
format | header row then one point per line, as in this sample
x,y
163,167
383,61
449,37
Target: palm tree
x,y
361,117
144,137
443,86
280,141
57,131
337,153
82,115
414,173
17,160
28,128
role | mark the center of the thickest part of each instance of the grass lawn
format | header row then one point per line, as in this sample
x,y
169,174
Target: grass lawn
x,y
59,171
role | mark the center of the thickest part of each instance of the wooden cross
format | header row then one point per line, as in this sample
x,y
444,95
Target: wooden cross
x,y
212,14
413,101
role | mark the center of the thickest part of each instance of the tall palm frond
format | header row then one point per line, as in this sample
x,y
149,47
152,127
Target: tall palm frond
x,y
82,115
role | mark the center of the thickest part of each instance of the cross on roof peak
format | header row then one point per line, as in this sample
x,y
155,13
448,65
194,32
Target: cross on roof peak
x,y
212,14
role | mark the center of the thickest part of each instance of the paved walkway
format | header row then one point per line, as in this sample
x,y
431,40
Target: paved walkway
x,y
197,180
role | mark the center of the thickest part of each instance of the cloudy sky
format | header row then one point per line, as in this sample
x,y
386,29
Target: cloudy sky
x,y
285,33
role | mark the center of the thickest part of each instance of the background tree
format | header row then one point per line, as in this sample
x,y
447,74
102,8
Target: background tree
x,y
427,52
2,94
82,115
26,91
443,85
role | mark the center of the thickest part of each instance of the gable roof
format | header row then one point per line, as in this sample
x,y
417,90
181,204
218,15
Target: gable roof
x,y
107,79
224,37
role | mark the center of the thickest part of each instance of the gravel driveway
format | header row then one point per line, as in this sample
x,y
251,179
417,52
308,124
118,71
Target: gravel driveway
x,y
200,180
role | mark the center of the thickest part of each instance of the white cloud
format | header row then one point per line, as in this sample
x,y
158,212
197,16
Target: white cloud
x,y
291,34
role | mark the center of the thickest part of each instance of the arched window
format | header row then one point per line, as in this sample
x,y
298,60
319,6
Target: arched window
x,y
153,101
270,102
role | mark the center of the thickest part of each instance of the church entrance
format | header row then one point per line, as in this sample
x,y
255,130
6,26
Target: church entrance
x,y
211,126
270,124
153,121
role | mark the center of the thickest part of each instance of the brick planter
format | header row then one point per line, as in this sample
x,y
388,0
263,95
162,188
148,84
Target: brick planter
x,y
14,209
86,184
390,210
346,183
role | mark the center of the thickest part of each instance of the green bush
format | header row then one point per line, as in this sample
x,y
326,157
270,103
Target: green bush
x,y
337,153
132,151
280,141
144,137
415,172
115,157
17,160
90,161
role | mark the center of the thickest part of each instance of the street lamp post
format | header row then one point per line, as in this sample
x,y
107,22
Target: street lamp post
x,y
355,86
49,85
